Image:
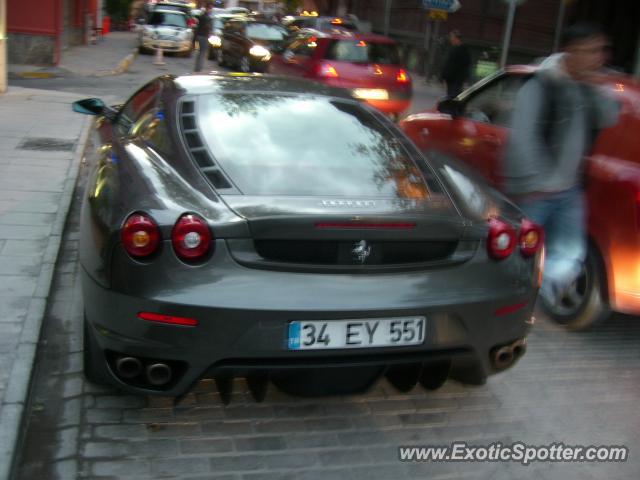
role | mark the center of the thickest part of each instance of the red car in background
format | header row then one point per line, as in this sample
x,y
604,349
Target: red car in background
x,y
368,65
474,126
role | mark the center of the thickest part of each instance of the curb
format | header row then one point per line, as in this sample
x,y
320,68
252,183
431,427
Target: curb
x,y
13,415
122,66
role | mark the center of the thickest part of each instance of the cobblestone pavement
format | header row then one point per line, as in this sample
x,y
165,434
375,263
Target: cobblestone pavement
x,y
570,388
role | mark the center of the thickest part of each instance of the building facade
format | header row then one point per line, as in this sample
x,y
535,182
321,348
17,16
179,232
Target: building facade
x,y
536,33
39,30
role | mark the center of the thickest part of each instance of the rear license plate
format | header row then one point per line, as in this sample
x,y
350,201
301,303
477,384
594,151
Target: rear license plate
x,y
356,333
371,93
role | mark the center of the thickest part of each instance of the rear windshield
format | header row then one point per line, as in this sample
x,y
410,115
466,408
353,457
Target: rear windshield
x,y
262,31
272,144
168,19
360,51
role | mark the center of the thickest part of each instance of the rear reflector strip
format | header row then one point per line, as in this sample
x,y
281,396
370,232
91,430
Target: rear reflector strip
x,y
367,226
168,319
507,309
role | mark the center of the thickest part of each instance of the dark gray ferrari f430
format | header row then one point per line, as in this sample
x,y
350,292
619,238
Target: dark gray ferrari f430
x,y
276,229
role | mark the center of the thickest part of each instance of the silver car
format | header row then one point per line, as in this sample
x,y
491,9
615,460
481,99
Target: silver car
x,y
168,30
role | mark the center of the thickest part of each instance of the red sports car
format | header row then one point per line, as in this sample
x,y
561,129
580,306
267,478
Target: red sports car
x,y
474,127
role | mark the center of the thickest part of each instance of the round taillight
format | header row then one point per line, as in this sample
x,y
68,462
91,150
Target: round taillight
x,y
502,239
531,238
140,235
191,237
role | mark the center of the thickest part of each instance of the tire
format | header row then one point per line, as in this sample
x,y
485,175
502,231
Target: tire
x,y
142,50
188,53
92,359
585,304
245,64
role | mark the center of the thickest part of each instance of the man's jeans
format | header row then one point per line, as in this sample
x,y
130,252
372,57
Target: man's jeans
x,y
563,217
203,43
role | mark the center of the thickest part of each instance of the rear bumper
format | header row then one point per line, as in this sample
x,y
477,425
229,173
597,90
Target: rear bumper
x,y
243,317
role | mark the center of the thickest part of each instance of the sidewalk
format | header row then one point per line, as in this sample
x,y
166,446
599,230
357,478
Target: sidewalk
x,y
111,55
41,145
42,142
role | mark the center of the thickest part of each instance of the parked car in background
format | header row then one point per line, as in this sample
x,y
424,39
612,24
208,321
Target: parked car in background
x,y
366,64
474,128
247,44
166,29
272,228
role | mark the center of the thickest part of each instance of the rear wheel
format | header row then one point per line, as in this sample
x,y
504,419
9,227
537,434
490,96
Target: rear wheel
x,y
142,50
584,304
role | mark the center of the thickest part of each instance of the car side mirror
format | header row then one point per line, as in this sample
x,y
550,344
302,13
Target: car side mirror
x,y
451,106
94,106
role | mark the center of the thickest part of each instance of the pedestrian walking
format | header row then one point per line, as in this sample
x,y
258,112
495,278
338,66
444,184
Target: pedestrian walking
x,y
457,66
557,115
202,34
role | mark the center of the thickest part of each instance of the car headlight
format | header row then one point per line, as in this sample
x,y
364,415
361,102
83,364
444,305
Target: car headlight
x,y
260,51
215,41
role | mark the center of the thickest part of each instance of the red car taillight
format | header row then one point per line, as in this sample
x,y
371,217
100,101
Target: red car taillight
x,y
402,77
191,237
501,240
531,238
140,235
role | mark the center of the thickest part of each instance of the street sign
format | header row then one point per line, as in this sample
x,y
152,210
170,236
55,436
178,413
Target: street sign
x,y
448,6
437,15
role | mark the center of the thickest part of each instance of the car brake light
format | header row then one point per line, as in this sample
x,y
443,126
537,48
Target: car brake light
x,y
531,238
402,76
366,226
191,237
140,235
501,240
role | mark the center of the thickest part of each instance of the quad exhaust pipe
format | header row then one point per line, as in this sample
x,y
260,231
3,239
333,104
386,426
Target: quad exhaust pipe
x,y
128,367
505,356
157,374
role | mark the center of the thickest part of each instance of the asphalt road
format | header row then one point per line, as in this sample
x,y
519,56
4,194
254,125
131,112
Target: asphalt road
x,y
578,389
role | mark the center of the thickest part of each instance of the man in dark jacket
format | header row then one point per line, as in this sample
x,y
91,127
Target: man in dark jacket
x,y
202,34
457,65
